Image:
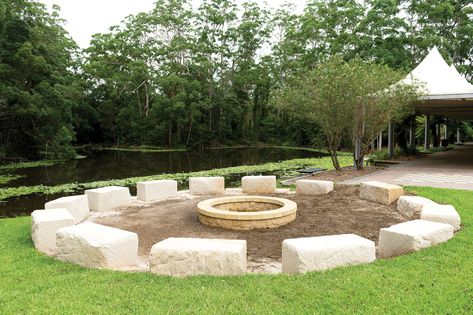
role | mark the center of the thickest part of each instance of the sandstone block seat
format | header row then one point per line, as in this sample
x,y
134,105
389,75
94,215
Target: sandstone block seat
x,y
108,198
313,187
258,184
97,246
380,192
412,236
443,214
305,254
206,185
45,225
411,206
157,189
78,206
194,256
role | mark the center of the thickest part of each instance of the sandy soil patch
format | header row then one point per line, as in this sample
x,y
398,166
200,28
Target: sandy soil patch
x,y
338,212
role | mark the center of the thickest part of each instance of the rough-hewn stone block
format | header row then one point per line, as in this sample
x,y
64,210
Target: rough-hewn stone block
x,y
45,224
411,206
193,256
258,184
313,187
157,189
412,236
97,246
108,198
301,255
206,185
380,192
443,214
78,206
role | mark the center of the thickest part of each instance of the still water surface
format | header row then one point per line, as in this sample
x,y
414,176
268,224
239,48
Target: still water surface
x,y
107,165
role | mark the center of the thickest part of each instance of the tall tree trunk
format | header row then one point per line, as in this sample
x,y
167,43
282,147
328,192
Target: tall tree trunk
x,y
170,133
190,129
358,156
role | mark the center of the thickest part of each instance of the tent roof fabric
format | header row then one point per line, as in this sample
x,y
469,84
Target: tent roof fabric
x,y
446,92
438,77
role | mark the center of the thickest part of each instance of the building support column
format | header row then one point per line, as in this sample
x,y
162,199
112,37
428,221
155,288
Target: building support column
x,y
458,135
390,140
426,132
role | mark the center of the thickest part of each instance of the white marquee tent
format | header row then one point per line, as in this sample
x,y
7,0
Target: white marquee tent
x,y
446,92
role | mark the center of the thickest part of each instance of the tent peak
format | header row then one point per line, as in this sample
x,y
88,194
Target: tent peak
x,y
438,77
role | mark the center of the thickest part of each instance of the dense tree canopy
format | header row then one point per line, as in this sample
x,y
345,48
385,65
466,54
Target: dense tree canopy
x,y
38,92
184,76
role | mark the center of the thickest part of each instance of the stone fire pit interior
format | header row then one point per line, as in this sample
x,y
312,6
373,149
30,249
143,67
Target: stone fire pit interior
x,y
247,212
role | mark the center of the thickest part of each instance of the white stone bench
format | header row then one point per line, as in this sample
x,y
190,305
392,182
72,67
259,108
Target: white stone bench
x,y
313,187
108,198
258,184
194,256
97,246
45,225
157,189
412,236
301,255
380,192
411,206
78,206
206,185
443,214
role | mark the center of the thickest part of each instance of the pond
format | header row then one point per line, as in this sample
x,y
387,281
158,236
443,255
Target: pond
x,y
107,165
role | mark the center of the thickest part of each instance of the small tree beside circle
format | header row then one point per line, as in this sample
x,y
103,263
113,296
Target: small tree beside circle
x,y
350,99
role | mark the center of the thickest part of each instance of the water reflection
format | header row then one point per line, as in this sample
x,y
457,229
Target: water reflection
x,y
106,165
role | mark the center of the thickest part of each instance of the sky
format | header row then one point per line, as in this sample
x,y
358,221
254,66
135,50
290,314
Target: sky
x,y
87,17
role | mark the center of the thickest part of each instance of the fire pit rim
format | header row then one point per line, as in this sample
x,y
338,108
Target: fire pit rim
x,y
207,208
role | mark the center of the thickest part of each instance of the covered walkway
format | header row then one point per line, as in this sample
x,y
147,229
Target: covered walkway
x,y
448,169
446,94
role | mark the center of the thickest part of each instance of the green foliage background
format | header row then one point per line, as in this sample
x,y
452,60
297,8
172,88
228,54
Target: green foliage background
x,y
179,76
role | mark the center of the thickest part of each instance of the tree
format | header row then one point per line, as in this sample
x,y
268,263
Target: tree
x,y
347,98
38,81
448,24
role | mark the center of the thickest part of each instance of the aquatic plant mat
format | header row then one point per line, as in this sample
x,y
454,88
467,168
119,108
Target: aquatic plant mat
x,y
339,212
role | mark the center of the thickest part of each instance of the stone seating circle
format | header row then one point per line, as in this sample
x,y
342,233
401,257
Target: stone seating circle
x,y
108,198
97,246
155,190
206,185
56,232
45,224
258,184
380,192
78,206
194,256
443,214
300,255
412,236
313,187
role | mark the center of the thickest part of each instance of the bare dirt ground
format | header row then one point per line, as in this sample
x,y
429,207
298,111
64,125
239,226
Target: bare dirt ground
x,y
344,174
338,212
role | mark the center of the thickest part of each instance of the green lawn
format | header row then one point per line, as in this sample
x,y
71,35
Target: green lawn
x,y
438,280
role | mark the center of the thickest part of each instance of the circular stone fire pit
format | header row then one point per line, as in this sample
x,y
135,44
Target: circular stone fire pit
x,y
247,212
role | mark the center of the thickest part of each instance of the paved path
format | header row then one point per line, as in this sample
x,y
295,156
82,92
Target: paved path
x,y
448,169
